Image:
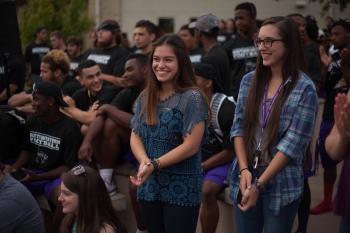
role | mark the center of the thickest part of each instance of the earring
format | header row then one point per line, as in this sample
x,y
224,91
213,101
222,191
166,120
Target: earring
x,y
50,104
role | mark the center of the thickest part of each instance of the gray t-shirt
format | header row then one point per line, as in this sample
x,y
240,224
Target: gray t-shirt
x,y
19,212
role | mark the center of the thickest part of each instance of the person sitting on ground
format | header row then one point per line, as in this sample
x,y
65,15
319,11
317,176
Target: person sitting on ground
x,y
108,135
19,211
54,67
51,145
86,202
218,152
83,105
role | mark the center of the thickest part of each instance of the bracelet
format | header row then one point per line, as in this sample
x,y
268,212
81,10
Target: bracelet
x,y
155,166
240,173
260,185
158,163
257,188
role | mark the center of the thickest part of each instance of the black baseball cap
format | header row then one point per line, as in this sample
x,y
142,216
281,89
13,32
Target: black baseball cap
x,y
207,71
50,89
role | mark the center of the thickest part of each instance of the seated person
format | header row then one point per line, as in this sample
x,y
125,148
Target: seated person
x,y
51,145
19,211
218,152
84,103
108,135
54,67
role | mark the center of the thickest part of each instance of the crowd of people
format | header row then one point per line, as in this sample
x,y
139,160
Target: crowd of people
x,y
222,103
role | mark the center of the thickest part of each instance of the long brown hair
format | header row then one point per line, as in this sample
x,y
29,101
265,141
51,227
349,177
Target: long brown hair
x,y
183,81
294,62
95,208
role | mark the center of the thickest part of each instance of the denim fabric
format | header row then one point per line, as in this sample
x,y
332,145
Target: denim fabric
x,y
260,217
344,227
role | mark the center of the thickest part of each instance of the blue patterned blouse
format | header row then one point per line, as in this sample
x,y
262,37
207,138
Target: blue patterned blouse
x,y
180,183
296,126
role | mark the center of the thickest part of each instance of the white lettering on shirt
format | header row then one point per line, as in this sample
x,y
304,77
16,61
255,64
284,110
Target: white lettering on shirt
x,y
45,140
99,59
245,52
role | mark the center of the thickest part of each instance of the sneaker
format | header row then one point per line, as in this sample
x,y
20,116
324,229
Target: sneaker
x,y
321,208
110,187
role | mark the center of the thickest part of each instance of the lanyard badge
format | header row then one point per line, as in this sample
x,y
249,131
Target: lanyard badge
x,y
265,116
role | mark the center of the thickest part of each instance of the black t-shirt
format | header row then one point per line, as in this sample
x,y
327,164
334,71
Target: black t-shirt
x,y
225,120
335,84
218,59
314,67
11,132
74,62
111,60
70,86
197,54
124,101
83,101
52,145
313,48
242,55
33,55
16,74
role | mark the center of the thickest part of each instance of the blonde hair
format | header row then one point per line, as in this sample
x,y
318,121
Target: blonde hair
x,y
57,59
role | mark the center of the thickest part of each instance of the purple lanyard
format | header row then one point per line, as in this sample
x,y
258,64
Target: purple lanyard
x,y
265,115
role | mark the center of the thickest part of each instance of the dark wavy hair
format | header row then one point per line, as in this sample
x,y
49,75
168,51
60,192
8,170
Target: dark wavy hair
x,y
293,63
95,208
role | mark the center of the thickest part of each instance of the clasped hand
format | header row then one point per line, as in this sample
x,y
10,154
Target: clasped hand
x,y
145,170
249,194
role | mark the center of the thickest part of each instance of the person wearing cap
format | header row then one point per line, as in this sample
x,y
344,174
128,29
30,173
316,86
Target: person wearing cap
x,y
218,152
51,145
207,28
240,50
54,67
145,33
35,52
109,55
188,36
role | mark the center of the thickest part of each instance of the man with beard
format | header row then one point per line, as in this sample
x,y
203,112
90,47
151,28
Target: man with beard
x,y
109,55
51,145
74,44
335,76
54,67
241,50
145,33
35,52
207,29
57,41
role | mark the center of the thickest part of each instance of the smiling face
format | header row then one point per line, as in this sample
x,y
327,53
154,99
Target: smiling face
x,y
271,56
40,104
70,200
165,64
133,76
91,79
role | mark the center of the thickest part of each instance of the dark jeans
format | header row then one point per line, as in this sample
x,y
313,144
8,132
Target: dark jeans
x,y
162,217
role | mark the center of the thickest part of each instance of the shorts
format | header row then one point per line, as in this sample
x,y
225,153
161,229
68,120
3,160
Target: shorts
x,y
325,130
129,157
218,174
44,187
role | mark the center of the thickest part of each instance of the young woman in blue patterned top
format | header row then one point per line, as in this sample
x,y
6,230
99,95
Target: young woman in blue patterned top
x,y
273,124
169,126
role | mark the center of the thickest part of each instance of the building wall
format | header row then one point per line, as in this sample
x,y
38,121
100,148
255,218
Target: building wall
x,y
128,12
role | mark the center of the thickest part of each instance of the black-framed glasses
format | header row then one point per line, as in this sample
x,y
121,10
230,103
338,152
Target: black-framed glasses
x,y
78,170
267,42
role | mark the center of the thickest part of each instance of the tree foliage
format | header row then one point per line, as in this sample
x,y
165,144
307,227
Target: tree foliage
x,y
68,16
